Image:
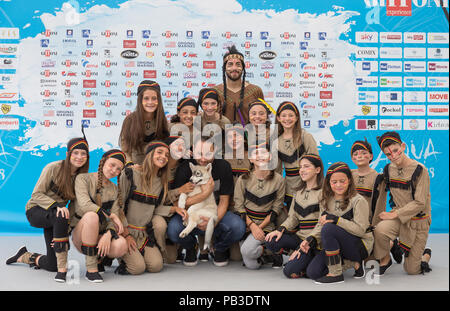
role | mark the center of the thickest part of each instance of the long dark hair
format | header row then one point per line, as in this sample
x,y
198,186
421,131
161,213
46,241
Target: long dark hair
x,y
327,192
316,161
132,134
64,179
297,130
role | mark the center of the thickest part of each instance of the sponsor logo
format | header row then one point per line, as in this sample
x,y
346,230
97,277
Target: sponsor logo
x,y
366,37
414,97
391,37
414,37
441,82
391,52
89,83
415,53
437,110
366,52
414,110
129,54
366,124
413,124
391,110
267,55
437,124
437,97
129,44
390,124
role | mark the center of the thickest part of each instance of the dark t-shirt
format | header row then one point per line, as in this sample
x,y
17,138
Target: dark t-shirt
x,y
221,173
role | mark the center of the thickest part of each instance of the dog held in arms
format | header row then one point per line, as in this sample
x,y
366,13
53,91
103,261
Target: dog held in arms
x,y
206,208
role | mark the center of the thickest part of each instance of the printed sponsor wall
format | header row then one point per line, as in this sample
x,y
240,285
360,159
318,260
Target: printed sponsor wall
x,y
354,69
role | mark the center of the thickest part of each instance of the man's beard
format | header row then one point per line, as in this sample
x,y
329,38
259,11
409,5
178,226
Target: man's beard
x,y
234,79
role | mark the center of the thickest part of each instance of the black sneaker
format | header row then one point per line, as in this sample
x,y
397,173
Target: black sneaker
x,y
190,259
330,279
101,267
424,265
203,257
180,255
384,268
397,252
19,253
360,272
94,277
122,268
277,261
220,259
61,277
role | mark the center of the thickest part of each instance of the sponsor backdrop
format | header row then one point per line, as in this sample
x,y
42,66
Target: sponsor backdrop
x,y
354,68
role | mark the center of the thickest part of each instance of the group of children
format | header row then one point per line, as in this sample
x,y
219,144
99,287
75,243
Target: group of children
x,y
326,221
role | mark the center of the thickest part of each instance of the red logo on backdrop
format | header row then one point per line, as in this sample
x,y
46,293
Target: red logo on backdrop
x,y
129,44
89,83
209,64
47,32
208,44
46,123
128,93
306,75
247,65
168,54
107,103
189,64
46,93
189,84
107,33
168,94
266,74
88,73
128,112
107,83
168,74
286,65
68,83
326,94
228,35
107,63
286,35
247,45
107,123
149,74
88,93
68,103
88,53
67,62
47,53
47,73
168,34
148,44
399,8
324,85
306,55
324,65
305,94
208,74
89,113
286,85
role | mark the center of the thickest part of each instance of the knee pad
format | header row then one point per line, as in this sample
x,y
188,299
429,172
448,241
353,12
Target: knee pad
x,y
89,250
61,244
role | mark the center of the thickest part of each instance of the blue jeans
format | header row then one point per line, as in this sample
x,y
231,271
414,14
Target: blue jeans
x,y
228,231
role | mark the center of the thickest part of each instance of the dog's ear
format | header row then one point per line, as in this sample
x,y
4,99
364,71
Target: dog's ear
x,y
192,166
209,167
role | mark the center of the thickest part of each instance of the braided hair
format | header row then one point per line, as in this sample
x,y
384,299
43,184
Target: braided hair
x,y
98,196
232,50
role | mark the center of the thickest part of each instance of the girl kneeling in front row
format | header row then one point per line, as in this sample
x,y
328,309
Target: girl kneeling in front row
x,y
96,219
145,191
302,218
342,228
